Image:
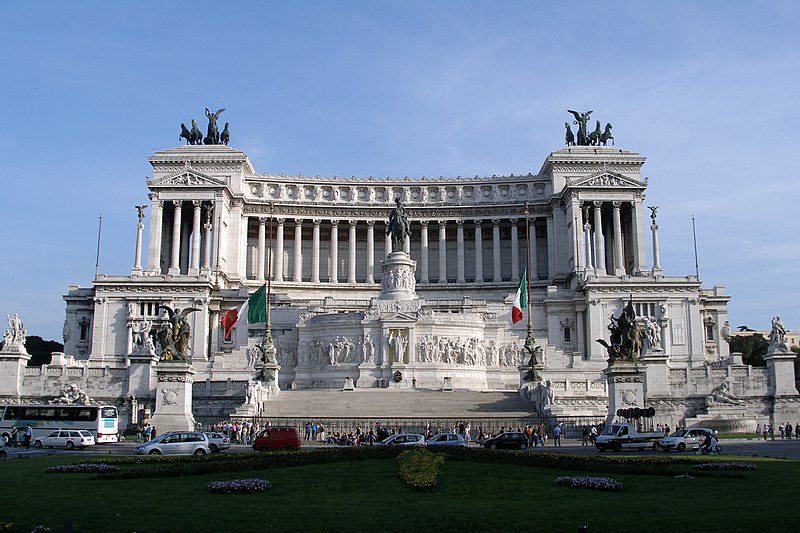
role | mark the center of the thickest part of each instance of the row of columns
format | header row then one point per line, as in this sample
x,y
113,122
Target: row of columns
x,y
424,274
179,238
595,240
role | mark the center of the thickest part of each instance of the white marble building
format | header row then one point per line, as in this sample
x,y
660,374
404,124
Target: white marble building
x,y
218,230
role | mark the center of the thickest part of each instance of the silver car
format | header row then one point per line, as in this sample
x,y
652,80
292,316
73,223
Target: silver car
x,y
447,439
217,441
685,439
403,439
176,443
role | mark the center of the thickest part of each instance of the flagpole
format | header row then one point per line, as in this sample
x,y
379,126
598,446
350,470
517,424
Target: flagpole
x,y
530,342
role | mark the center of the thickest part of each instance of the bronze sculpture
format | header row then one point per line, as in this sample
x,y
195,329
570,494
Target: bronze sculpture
x,y
597,137
174,334
398,226
570,137
626,341
213,133
225,136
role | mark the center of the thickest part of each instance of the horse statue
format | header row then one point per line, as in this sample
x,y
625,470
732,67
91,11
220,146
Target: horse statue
x,y
225,136
594,137
606,135
626,340
398,226
196,136
570,138
185,134
581,119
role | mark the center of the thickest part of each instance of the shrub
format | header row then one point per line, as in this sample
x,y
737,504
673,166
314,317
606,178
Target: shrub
x,y
420,468
81,468
725,466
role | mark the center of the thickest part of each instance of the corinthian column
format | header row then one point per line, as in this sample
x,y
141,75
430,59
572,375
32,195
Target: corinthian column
x,y
277,259
514,250
262,248
174,266
207,239
194,267
333,275
154,245
599,243
423,252
351,261
460,251
315,252
619,268
497,275
442,252
370,251
478,252
297,277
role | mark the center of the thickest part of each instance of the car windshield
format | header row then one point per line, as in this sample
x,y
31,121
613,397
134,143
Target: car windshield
x,y
679,433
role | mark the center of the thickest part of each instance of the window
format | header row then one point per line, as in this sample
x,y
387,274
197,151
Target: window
x,y
709,332
567,335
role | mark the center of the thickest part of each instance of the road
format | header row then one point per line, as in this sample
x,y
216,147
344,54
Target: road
x,y
782,449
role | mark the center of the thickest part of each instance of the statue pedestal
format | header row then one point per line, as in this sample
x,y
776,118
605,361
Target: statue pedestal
x,y
13,361
269,378
780,365
174,397
399,282
625,386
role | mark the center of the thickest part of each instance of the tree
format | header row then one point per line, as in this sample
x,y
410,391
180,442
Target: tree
x,y
752,347
40,350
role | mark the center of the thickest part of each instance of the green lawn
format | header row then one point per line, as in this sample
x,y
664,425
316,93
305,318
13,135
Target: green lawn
x,y
369,496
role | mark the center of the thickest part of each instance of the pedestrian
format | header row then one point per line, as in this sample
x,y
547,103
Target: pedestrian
x,y
772,431
307,434
758,431
797,431
789,431
14,436
781,429
148,432
28,436
557,435
138,434
585,436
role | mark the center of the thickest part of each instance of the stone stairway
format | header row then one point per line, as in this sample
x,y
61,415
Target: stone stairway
x,y
397,403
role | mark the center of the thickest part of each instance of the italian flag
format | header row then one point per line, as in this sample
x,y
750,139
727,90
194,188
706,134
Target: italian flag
x,y
254,308
520,300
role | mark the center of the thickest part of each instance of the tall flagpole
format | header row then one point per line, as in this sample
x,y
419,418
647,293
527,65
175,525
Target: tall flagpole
x,y
530,342
97,257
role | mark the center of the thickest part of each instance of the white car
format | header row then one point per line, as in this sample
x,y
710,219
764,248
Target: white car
x,y
217,441
447,439
685,439
66,438
403,439
176,443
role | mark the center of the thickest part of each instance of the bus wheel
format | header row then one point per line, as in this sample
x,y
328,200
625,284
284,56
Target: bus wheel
x,y
37,444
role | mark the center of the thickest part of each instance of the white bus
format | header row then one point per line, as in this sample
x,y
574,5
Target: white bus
x,y
101,420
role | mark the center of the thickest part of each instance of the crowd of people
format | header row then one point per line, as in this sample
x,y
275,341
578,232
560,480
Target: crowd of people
x,y
786,431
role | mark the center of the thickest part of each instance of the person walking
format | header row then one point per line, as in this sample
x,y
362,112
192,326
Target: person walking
x,y
758,431
14,436
28,436
557,435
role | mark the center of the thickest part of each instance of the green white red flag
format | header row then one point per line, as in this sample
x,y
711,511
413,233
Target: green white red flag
x,y
520,300
254,308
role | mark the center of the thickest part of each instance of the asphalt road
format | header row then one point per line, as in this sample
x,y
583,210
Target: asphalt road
x,y
784,449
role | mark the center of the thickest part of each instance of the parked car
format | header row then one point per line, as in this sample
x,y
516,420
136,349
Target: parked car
x,y
217,441
685,439
66,438
510,439
403,439
176,443
277,438
3,453
447,439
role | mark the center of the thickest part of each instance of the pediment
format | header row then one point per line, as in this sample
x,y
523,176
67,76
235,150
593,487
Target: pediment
x,y
396,318
190,178
606,179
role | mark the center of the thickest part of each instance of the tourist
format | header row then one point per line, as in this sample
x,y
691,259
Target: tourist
x,y
28,436
782,429
585,435
307,435
557,435
14,439
666,430
138,434
772,431
766,431
758,431
148,432
314,431
797,431
789,431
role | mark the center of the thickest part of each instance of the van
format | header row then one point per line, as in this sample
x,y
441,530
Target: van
x,y
277,438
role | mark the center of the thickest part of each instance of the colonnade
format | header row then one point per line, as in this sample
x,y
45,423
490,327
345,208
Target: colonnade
x,y
611,246
184,243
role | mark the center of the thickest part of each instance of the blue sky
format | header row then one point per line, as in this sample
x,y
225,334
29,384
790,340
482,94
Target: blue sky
x,y
707,91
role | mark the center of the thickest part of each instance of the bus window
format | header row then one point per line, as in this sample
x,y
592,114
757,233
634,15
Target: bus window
x,y
108,412
86,414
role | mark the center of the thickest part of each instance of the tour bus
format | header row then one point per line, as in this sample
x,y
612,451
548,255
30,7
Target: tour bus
x,y
101,420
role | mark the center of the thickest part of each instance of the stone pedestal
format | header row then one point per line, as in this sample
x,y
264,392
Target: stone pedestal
x,y
174,397
657,375
13,361
399,282
141,375
625,386
780,366
269,378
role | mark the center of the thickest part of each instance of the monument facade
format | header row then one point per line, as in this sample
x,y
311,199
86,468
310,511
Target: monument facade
x,y
398,282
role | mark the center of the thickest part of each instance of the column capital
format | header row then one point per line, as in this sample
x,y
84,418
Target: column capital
x,y
495,222
442,223
298,222
262,221
334,223
316,222
370,223
598,203
424,223
460,223
352,223
478,222
197,204
177,203
617,204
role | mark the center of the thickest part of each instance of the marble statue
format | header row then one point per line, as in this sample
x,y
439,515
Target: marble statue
x,y
72,394
722,394
653,334
777,337
15,336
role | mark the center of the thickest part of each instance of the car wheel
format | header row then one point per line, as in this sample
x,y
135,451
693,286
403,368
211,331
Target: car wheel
x,y
199,451
6,439
523,446
682,447
617,447
37,444
493,446
154,452
214,448
70,444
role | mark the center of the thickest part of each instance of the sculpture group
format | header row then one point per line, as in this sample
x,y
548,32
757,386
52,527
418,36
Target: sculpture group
x,y
173,337
598,137
626,340
15,336
213,135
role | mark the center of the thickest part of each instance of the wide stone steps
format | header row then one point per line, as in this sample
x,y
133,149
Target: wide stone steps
x,y
394,403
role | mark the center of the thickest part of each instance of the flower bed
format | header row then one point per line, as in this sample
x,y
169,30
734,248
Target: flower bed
x,y
420,468
92,468
725,466
586,482
239,486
